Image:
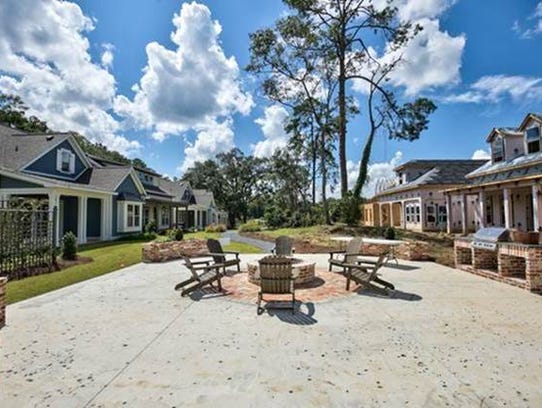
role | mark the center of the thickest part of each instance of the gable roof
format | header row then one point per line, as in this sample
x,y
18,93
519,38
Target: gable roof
x,y
18,149
204,198
530,116
503,132
440,172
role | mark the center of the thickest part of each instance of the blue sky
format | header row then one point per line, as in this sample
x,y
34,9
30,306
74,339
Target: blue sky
x,y
76,63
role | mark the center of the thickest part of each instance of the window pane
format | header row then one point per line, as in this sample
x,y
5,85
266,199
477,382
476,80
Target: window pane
x,y
532,133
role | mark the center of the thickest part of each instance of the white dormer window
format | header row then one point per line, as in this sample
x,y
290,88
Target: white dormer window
x,y
65,161
532,139
497,149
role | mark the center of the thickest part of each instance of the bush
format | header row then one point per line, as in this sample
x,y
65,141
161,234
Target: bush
x,y
389,233
175,234
215,228
250,226
147,236
69,246
151,227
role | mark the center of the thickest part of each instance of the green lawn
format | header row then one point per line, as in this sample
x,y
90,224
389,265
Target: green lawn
x,y
108,257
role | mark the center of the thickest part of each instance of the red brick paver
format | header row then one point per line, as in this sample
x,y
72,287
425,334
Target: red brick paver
x,y
326,285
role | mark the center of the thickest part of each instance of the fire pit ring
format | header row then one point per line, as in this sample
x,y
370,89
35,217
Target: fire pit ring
x,y
303,271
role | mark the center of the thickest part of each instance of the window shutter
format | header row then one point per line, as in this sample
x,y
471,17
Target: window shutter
x,y
72,163
59,160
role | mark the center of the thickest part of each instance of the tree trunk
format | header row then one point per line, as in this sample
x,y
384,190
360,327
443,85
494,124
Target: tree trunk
x,y
324,179
314,159
342,116
364,164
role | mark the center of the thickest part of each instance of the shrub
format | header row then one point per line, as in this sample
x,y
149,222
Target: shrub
x,y
151,227
175,234
147,236
69,246
215,228
389,233
250,226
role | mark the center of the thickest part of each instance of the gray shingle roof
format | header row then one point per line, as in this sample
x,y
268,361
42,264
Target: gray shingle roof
x,y
439,172
107,178
203,197
18,148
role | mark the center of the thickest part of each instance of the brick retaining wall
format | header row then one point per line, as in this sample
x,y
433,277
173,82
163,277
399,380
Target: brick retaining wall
x,y
3,301
410,251
171,250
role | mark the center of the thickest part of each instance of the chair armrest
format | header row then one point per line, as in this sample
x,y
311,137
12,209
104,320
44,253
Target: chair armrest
x,y
336,252
355,266
208,267
232,252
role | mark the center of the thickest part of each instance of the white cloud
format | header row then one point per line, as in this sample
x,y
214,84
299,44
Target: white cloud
x,y
419,9
534,29
192,84
381,172
44,58
495,88
377,173
431,59
107,55
212,138
272,124
481,154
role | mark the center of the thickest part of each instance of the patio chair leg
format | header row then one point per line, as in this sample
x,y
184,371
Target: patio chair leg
x,y
293,303
259,309
219,285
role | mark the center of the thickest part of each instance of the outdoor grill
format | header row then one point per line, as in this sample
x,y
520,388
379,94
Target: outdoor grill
x,y
488,238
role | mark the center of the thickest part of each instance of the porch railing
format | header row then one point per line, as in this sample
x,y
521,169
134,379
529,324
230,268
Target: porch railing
x,y
27,237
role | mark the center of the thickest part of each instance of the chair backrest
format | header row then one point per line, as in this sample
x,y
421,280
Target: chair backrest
x,y
214,246
379,263
352,249
190,266
276,275
283,246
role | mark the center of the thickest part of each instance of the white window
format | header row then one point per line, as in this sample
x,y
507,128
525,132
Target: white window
x,y
129,216
497,149
164,216
65,161
532,138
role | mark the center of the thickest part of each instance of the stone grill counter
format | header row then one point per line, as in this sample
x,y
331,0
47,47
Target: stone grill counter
x,y
516,264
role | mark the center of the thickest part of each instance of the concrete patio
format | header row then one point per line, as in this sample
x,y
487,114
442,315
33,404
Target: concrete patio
x,y
447,338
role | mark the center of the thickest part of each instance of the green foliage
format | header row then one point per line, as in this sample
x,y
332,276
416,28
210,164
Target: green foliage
x,y
215,228
69,246
150,227
13,112
146,236
389,233
175,234
250,226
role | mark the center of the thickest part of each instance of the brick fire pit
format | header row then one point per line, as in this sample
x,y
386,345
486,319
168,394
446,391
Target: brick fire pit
x,y
303,270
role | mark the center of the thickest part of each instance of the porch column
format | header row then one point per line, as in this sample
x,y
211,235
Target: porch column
x,y
448,213
507,201
82,220
107,218
536,214
482,208
54,205
422,215
391,215
464,229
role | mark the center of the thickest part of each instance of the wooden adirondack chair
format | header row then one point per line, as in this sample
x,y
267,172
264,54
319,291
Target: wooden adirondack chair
x,y
283,246
365,274
219,255
350,255
276,278
203,272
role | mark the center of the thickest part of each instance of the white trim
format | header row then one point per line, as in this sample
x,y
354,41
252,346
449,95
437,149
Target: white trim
x,y
122,216
136,180
60,161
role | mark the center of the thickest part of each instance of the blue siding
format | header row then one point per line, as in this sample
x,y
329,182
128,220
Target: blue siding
x,y
94,217
114,230
47,163
8,182
129,188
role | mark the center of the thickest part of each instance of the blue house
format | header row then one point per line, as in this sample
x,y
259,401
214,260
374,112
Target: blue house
x,y
96,199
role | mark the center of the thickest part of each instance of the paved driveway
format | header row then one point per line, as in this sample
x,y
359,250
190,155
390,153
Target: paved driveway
x,y
127,339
